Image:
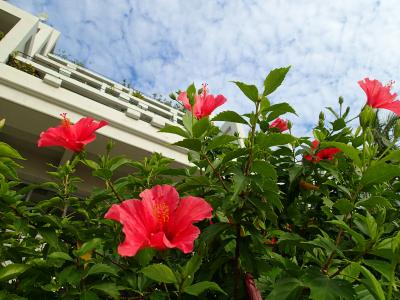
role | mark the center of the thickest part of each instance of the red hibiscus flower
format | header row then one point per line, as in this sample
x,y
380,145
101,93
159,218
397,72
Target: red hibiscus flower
x,y
379,96
160,220
204,103
252,291
280,124
71,136
327,153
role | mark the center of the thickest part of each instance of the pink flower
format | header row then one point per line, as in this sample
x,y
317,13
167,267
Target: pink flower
x,y
204,104
327,153
71,136
160,220
280,124
379,96
252,291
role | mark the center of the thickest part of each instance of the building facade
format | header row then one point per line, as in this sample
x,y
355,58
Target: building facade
x,y
37,85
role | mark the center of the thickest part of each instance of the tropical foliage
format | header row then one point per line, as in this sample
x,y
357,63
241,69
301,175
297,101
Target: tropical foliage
x,y
291,218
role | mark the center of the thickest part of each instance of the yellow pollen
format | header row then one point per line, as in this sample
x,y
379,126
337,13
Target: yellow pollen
x,y
161,212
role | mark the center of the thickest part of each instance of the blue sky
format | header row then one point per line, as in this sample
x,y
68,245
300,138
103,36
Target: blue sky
x,y
163,45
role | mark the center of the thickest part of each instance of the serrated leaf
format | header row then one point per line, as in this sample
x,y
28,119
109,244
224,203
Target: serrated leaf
x,y
355,235
60,255
330,289
101,269
191,144
220,141
174,130
383,267
108,288
200,127
288,288
372,284
379,173
230,116
277,110
159,273
12,271
88,246
199,287
273,139
249,90
265,169
274,80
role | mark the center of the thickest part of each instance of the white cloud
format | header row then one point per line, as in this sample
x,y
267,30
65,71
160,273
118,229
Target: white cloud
x,y
164,45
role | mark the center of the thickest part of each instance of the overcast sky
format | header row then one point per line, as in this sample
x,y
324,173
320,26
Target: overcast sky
x,y
161,46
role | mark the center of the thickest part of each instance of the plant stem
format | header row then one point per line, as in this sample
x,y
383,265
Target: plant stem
x,y
252,137
218,174
236,288
109,183
65,196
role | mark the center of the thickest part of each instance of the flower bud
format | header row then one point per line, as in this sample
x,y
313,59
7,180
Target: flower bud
x,y
340,100
367,116
252,291
2,122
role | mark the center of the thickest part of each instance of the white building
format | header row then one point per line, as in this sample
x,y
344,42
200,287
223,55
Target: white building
x,y
36,86
31,103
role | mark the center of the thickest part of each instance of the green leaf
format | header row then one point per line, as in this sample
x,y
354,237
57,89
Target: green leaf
x,y
103,173
323,288
230,116
338,124
70,275
348,150
274,80
200,127
91,164
50,236
145,256
8,171
101,269
159,273
220,140
7,151
355,235
273,139
192,265
107,288
89,295
191,144
250,91
174,130
88,246
379,173
372,284
287,288
199,287
60,255
265,169
383,267
12,271
344,206
278,109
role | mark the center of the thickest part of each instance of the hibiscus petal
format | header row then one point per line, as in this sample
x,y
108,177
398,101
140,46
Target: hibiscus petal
x,y
191,209
85,128
184,240
185,100
136,225
161,199
393,106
